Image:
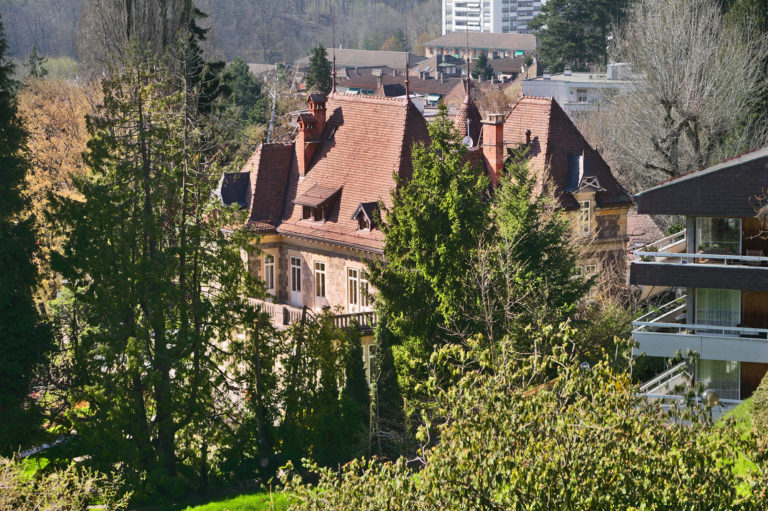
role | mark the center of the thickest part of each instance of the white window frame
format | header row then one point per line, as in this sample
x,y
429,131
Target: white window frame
x,y
358,290
369,356
353,289
320,279
585,218
295,274
269,273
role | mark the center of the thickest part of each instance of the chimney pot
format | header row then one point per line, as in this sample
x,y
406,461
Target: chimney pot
x,y
310,130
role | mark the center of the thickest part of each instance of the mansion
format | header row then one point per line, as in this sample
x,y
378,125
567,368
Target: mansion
x,y
313,201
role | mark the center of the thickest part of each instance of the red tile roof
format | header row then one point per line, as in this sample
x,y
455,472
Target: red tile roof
x,y
554,139
468,112
269,178
366,141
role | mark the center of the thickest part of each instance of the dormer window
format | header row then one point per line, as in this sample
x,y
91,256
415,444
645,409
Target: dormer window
x,y
364,214
317,202
310,213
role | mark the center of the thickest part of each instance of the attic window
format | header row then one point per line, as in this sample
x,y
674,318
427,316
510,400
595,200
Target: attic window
x,y
364,214
310,213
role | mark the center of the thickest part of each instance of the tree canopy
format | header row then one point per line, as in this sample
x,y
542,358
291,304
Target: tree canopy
x,y
482,69
576,32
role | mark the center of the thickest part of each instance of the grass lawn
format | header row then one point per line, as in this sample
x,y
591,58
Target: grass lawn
x,y
262,501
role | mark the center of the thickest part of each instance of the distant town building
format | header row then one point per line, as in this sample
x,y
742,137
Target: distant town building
x,y
365,59
579,92
494,16
494,46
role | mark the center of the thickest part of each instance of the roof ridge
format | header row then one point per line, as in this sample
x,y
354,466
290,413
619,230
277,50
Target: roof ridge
x,y
364,97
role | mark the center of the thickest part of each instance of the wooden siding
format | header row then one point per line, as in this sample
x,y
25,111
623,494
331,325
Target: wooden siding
x,y
751,375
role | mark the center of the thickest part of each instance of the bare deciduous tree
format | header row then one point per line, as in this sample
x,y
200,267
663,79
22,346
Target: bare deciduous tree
x,y
692,95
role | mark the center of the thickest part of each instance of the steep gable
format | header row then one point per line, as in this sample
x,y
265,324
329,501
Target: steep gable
x,y
366,141
553,140
269,169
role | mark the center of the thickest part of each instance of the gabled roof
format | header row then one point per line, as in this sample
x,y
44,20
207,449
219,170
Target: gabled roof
x,y
487,40
366,209
507,64
268,168
554,140
417,85
373,140
365,58
469,115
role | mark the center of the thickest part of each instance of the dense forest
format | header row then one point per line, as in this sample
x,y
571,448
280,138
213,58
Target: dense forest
x,y
254,30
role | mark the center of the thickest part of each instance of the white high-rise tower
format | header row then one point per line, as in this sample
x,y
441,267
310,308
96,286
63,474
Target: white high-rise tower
x,y
499,16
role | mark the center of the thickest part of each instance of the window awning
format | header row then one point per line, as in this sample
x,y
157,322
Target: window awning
x,y
317,196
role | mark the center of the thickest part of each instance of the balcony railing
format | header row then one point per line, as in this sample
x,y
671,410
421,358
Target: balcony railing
x,y
671,319
283,315
671,249
363,320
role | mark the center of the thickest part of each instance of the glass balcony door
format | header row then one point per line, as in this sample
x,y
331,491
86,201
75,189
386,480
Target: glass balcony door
x,y
718,236
718,307
722,376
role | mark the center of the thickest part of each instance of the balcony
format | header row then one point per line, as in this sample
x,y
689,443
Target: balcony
x,y
666,263
665,331
284,315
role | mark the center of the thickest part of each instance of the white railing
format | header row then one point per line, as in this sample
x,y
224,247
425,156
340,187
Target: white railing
x,y
679,370
687,258
668,317
667,242
364,320
281,314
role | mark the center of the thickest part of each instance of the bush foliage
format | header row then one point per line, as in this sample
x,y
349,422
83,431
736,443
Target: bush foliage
x,y
582,440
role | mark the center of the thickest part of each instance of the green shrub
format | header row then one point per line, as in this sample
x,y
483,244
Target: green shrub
x,y
582,440
760,409
66,489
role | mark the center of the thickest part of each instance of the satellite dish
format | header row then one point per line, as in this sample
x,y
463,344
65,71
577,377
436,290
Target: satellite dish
x,y
467,141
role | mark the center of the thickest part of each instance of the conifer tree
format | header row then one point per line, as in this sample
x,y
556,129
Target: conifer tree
x,y
161,286
318,76
482,69
24,337
36,64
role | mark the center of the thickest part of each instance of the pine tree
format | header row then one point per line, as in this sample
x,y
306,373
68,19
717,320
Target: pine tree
x,y
36,64
482,69
318,76
24,337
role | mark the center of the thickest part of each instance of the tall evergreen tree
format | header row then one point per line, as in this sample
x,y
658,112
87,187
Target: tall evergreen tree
x,y
318,76
161,285
575,32
482,69
36,64
24,337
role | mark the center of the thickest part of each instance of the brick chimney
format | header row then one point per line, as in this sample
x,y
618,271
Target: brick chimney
x,y
493,145
311,127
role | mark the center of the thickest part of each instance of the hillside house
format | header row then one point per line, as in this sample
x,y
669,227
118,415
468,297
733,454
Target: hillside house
x,y
313,200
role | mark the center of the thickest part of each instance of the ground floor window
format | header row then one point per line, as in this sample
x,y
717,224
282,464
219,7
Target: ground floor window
x,y
722,376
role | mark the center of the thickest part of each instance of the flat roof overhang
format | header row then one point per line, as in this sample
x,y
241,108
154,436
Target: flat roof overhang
x,y
713,276
734,188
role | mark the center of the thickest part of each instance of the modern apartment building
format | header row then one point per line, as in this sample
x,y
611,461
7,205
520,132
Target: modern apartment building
x,y
580,93
719,263
496,16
